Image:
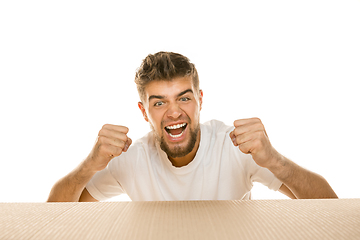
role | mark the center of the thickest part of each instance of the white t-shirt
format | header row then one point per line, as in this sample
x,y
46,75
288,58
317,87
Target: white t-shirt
x,y
219,171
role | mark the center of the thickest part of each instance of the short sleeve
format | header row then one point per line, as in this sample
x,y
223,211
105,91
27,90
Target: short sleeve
x,y
263,176
103,185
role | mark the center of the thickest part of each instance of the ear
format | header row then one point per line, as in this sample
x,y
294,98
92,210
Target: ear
x,y
141,107
201,94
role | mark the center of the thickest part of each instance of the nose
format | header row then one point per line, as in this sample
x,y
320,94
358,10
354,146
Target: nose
x,y
174,111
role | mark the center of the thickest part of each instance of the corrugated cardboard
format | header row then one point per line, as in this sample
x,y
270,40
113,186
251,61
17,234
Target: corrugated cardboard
x,y
257,219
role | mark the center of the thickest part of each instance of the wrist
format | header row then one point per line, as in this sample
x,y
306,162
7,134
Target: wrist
x,y
82,174
88,166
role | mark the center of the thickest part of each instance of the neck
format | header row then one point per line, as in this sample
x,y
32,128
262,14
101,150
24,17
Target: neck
x,y
183,161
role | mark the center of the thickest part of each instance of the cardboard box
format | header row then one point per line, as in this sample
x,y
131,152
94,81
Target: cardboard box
x,y
256,219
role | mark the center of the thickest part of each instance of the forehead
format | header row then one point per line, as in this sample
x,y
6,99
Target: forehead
x,y
168,89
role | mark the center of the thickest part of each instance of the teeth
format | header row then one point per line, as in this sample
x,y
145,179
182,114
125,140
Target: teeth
x,y
176,126
176,136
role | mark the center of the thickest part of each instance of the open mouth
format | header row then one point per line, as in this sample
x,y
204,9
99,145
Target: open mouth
x,y
177,130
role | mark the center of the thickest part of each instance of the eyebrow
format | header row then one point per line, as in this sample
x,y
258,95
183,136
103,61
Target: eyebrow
x,y
162,97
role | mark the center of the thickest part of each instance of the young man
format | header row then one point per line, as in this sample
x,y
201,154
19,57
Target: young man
x,y
181,159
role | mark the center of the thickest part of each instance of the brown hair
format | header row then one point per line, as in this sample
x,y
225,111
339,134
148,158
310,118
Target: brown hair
x,y
164,66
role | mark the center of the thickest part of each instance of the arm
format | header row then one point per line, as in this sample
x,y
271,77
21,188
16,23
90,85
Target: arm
x,y
301,182
71,187
112,141
250,136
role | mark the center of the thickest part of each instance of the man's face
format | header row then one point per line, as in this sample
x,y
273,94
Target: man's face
x,y
173,110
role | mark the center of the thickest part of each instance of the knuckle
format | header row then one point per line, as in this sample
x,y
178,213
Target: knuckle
x,y
105,126
243,148
117,151
256,119
100,139
102,131
126,129
238,131
237,123
121,144
259,134
257,143
103,139
259,125
123,137
102,148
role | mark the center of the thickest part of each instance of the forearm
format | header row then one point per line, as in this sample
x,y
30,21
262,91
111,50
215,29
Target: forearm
x,y
70,187
303,183
111,142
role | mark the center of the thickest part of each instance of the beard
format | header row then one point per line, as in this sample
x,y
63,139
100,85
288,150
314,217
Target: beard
x,y
178,151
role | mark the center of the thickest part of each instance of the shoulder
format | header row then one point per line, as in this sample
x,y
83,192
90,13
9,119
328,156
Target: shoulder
x,y
215,135
218,134
146,143
220,150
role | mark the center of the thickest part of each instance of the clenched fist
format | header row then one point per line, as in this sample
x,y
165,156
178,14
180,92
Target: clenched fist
x,y
251,138
111,142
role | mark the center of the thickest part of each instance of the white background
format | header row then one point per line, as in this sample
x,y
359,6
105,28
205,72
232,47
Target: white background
x,y
67,68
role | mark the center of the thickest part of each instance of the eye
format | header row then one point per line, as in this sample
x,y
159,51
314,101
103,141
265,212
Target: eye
x,y
184,99
158,104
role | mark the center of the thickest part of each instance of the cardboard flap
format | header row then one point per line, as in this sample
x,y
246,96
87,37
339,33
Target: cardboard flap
x,y
257,219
